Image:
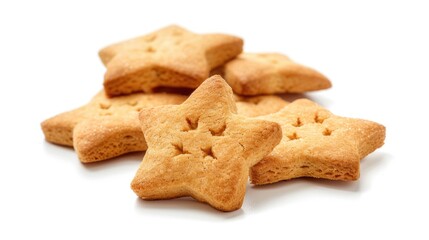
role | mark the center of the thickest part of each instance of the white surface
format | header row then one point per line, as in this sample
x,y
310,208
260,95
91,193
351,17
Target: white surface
x,y
376,55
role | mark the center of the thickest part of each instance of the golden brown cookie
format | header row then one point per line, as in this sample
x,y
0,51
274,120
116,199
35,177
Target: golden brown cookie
x,y
105,127
258,106
202,148
169,57
269,73
317,144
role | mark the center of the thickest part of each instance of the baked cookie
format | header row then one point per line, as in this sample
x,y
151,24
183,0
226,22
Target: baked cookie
x,y
269,73
317,144
105,127
258,106
202,148
169,57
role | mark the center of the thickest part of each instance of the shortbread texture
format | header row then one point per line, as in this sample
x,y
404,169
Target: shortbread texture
x,y
169,57
260,105
202,148
271,73
105,127
318,144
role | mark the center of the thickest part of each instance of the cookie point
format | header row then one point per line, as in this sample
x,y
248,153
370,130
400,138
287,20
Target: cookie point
x,y
215,81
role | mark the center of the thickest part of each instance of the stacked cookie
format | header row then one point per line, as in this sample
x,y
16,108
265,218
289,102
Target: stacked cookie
x,y
206,145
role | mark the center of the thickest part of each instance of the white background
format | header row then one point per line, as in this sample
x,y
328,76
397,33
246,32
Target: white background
x,y
376,53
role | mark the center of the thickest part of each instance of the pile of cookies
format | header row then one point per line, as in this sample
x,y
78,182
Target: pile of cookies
x,y
230,128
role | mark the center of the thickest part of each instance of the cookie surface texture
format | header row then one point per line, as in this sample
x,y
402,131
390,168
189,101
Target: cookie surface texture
x,y
317,144
202,149
260,105
269,73
169,57
105,127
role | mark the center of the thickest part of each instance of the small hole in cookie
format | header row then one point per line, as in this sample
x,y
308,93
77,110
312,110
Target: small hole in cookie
x,y
128,137
319,170
179,149
138,109
218,132
294,136
208,152
327,132
318,119
337,176
328,174
192,125
304,166
298,123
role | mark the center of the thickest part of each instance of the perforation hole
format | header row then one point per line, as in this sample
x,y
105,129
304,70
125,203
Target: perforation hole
x,y
218,132
298,123
179,149
327,132
192,125
304,166
318,119
208,152
293,136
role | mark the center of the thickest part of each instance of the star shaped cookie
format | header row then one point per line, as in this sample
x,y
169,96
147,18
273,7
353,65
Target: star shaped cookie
x,y
202,148
169,57
317,144
269,73
105,127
